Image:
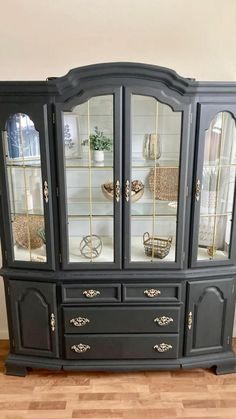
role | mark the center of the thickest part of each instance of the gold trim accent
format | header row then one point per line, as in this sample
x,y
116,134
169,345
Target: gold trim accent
x,y
79,321
91,293
117,191
127,190
190,320
80,348
45,191
198,190
163,320
53,322
152,293
163,347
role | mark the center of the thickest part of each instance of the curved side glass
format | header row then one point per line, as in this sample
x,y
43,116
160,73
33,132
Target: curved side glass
x,y
154,188
217,192
88,149
24,181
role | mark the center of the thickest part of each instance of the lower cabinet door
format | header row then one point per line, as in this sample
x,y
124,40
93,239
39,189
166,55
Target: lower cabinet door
x,y
34,318
121,346
210,314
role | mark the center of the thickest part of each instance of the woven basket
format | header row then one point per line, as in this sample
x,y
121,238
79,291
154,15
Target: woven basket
x,y
166,185
24,226
159,247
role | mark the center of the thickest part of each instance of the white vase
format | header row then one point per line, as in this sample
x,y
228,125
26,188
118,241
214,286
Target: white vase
x,y
98,155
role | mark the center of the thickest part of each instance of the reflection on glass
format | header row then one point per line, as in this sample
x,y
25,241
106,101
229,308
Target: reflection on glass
x,y
217,191
24,179
155,151
88,147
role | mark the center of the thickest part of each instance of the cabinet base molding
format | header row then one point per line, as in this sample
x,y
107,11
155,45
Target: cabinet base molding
x,y
223,363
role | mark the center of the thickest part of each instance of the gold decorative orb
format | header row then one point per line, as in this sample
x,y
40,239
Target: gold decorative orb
x,y
91,246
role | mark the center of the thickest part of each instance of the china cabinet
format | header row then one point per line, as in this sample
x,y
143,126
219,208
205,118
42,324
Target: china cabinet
x,y
117,210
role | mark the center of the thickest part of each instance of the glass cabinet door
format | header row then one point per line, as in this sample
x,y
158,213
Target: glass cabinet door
x,y
26,189
91,156
215,187
153,147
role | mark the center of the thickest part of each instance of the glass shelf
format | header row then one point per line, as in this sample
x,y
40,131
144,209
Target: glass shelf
x,y
141,209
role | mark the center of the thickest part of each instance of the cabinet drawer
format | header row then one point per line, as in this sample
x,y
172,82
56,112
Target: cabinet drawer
x,y
90,293
152,292
121,319
121,346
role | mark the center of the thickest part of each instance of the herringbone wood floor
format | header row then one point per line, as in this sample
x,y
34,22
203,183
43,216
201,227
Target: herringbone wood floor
x,y
194,394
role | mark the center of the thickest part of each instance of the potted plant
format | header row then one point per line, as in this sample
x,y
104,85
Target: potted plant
x,y
99,143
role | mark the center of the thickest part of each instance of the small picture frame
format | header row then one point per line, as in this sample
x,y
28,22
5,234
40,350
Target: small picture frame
x,y
72,143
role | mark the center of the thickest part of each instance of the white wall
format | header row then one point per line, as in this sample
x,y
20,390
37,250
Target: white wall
x,y
48,37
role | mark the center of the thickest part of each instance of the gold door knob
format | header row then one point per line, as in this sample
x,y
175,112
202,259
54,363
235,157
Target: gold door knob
x,y
198,190
79,321
80,348
53,322
163,320
117,191
127,191
190,320
163,347
152,293
91,293
45,191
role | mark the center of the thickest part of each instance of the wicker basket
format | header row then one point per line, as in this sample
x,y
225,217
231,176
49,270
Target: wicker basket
x,y
23,226
157,247
166,185
135,195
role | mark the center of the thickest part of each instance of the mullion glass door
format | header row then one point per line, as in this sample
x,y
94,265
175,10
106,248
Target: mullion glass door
x,y
152,181
215,187
91,144
26,186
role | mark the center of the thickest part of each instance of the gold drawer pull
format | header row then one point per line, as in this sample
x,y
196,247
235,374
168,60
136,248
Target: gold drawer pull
x,y
80,348
117,193
53,322
190,320
79,321
91,293
152,293
163,320
163,347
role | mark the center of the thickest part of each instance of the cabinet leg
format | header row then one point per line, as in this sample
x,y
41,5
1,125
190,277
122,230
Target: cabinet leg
x,y
13,369
225,368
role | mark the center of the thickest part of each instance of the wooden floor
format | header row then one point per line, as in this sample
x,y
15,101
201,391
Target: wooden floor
x,y
194,394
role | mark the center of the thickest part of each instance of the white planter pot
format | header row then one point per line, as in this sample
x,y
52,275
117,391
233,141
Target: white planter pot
x,y
98,155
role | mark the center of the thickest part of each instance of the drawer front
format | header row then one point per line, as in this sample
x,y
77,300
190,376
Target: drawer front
x,y
152,292
121,346
90,293
121,319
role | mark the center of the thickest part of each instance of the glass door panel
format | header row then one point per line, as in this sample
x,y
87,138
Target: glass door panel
x,y
216,191
90,189
153,190
24,183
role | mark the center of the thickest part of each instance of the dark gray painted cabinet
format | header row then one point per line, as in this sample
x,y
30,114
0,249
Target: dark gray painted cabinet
x,y
209,316
86,286
34,318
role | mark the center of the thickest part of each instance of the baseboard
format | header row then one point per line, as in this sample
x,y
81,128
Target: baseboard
x,y
4,334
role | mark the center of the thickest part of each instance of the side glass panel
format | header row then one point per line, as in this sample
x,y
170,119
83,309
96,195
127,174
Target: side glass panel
x,y
217,189
155,154
24,181
88,150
